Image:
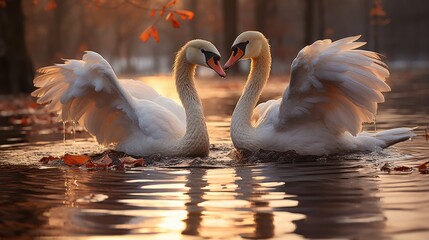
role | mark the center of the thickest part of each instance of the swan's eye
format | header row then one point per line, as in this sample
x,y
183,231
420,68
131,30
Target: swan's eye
x,y
216,59
241,46
234,50
208,55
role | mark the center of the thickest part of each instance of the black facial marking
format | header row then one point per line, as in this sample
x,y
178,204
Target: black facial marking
x,y
241,45
209,55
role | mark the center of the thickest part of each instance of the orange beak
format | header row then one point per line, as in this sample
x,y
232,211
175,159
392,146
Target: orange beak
x,y
216,67
234,58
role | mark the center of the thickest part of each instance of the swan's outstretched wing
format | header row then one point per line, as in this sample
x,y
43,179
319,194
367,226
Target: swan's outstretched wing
x,y
88,91
336,84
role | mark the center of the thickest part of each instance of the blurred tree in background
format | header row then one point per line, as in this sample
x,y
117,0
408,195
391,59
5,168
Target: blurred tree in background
x,y
397,29
16,69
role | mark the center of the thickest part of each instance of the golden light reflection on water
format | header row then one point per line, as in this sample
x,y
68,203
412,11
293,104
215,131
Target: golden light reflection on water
x,y
209,203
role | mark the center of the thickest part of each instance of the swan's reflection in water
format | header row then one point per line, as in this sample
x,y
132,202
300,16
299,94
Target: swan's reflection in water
x,y
236,202
332,199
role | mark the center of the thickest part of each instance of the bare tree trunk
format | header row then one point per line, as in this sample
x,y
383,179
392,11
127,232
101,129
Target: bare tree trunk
x,y
55,38
309,22
321,13
16,69
261,14
229,27
193,5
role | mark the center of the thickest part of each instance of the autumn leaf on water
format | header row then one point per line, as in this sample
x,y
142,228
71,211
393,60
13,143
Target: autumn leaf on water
x,y
185,14
48,159
72,160
424,168
396,170
402,169
129,162
103,162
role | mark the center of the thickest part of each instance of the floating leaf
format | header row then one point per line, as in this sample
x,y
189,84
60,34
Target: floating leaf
x,y
129,162
424,168
48,159
387,167
402,169
185,14
72,160
103,162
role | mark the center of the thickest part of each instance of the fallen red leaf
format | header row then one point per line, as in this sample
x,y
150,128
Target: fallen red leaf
x,y
48,159
72,160
402,169
103,162
130,162
424,168
386,167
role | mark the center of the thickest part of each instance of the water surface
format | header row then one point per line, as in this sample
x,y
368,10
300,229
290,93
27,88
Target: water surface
x,y
330,197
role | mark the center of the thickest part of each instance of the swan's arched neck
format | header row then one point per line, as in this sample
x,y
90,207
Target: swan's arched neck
x,y
242,131
195,142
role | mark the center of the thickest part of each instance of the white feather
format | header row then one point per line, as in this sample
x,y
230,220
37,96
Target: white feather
x,y
333,89
87,91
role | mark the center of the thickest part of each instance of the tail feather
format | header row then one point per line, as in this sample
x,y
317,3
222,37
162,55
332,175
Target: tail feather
x,y
393,136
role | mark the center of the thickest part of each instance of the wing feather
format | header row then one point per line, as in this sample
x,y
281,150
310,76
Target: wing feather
x,y
87,91
335,83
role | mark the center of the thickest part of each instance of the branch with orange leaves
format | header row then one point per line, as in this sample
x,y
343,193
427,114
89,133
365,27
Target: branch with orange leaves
x,y
166,12
171,16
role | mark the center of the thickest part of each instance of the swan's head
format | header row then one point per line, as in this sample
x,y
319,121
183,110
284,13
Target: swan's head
x,y
246,46
204,53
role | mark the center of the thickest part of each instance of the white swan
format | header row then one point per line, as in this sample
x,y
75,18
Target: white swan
x,y
129,113
333,89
